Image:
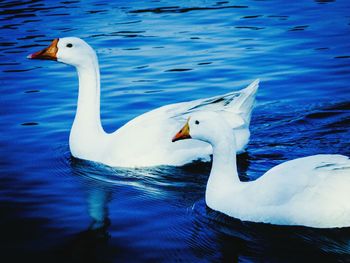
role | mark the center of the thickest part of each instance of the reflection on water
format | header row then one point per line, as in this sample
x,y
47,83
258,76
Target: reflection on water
x,y
97,200
92,244
54,208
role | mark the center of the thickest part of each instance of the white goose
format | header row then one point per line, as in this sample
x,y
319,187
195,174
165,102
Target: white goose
x,y
143,141
312,191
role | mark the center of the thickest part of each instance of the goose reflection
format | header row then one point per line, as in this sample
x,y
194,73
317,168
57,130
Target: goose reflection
x,y
98,193
97,201
92,244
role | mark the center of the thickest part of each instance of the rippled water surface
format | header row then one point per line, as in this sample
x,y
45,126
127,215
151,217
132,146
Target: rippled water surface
x,y
55,208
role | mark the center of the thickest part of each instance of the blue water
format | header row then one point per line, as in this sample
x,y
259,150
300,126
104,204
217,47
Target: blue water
x,y
54,208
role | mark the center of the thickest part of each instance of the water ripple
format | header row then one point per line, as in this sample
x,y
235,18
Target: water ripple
x,y
177,9
151,54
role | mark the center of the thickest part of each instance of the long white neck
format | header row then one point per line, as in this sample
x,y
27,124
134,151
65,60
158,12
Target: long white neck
x,y
87,130
88,110
223,181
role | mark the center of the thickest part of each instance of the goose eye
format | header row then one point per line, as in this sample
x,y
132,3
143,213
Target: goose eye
x,y
69,45
196,122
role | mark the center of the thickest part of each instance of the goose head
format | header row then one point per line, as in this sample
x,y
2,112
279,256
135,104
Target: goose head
x,y
209,127
69,50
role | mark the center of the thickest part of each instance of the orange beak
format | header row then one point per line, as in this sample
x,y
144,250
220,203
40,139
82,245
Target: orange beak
x,y
49,53
184,133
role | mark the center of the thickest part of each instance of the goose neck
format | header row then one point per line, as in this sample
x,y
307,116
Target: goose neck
x,y
223,179
224,161
88,109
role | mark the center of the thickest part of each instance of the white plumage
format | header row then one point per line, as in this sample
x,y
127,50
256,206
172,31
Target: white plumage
x,y
145,140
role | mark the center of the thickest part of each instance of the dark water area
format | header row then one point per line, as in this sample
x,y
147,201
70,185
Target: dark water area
x,y
54,208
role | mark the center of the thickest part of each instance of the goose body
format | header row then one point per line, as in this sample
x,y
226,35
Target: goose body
x,y
143,141
311,191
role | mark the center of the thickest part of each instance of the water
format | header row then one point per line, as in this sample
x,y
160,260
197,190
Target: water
x,y
55,208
